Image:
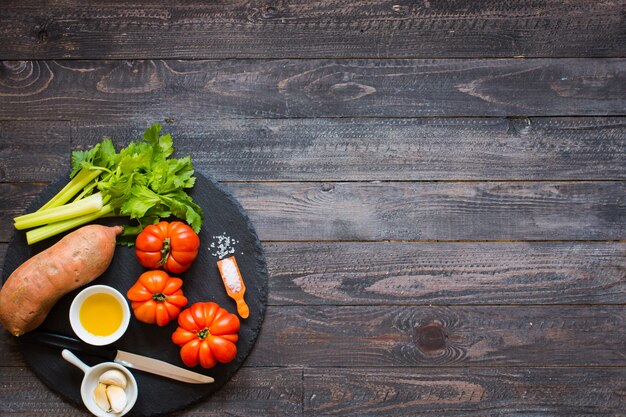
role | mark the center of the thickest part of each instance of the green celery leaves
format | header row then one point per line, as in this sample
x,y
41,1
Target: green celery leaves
x,y
142,181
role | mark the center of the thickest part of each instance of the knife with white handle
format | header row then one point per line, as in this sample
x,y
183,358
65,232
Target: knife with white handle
x,y
130,360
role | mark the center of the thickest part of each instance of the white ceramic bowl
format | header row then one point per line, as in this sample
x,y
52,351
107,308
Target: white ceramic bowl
x,y
90,382
78,328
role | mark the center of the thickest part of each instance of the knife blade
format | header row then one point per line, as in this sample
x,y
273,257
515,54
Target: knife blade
x,y
110,353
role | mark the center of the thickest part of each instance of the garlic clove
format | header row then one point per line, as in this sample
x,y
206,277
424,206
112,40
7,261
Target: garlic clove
x,y
117,398
113,377
101,398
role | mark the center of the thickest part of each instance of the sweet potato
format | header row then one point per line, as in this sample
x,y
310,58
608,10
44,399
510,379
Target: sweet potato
x,y
34,287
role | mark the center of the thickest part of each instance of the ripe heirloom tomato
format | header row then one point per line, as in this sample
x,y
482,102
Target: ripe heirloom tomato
x,y
156,297
207,334
171,246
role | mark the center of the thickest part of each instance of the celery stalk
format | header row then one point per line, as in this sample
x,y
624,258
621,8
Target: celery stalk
x,y
90,204
84,177
49,230
140,181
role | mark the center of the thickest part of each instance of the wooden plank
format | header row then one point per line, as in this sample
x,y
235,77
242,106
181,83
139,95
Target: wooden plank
x,y
400,273
377,392
423,336
388,149
3,252
255,392
437,273
33,150
382,29
22,394
455,336
14,199
251,392
129,90
468,392
339,149
436,211
411,211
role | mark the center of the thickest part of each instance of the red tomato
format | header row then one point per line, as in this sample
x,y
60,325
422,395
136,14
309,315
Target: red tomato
x,y
171,246
207,334
156,297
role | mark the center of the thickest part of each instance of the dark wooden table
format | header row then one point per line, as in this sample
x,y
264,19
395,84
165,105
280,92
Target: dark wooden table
x,y
438,185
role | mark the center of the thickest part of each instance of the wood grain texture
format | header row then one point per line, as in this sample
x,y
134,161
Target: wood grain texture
x,y
422,336
436,211
438,273
411,211
387,149
468,392
492,28
252,392
14,199
567,148
439,187
30,151
135,90
3,252
23,394
255,392
400,273
456,336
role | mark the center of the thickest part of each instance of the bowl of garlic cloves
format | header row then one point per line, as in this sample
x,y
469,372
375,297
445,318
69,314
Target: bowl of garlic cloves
x,y
108,389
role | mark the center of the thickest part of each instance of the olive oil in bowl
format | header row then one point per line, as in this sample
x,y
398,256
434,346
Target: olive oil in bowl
x,y
99,315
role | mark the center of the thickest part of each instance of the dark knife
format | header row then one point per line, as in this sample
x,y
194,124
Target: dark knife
x,y
109,353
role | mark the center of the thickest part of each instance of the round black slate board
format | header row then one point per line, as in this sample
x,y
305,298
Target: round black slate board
x,y
202,282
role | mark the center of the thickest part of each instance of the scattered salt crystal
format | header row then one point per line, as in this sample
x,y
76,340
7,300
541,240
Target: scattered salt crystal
x,y
230,275
224,245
